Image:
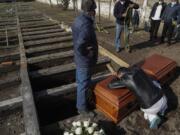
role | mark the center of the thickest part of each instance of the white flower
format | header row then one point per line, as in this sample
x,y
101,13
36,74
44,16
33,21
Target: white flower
x,y
78,131
86,123
66,133
71,134
90,130
74,124
96,133
101,131
78,123
94,125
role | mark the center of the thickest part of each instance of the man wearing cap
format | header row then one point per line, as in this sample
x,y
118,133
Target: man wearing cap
x,y
85,51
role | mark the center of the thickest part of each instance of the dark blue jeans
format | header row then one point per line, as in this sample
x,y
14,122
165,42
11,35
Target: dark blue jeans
x,y
83,79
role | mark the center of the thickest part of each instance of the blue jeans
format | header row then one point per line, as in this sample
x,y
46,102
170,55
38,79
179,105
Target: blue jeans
x,y
83,79
119,29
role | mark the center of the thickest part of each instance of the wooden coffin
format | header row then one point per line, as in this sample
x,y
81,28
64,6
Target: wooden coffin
x,y
159,67
115,104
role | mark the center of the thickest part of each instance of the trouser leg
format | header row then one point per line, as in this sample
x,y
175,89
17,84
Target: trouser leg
x,y
126,31
83,78
165,28
170,32
156,28
118,35
152,29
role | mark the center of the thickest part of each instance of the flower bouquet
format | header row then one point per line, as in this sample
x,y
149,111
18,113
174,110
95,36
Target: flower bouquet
x,y
84,128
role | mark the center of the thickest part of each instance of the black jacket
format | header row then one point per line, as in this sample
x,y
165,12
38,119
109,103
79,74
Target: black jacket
x,y
171,13
142,86
119,9
153,11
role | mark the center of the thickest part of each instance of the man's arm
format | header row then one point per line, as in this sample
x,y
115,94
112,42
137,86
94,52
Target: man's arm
x,y
178,16
133,5
84,43
153,9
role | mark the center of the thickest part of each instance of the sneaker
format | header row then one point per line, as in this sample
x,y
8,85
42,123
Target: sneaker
x,y
155,123
86,114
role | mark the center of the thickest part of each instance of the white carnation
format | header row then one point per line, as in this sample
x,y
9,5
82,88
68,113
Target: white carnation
x,y
74,124
101,131
78,131
94,125
86,123
66,133
90,130
78,123
96,133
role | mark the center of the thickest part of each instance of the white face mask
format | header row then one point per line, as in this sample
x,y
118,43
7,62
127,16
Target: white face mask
x,y
173,3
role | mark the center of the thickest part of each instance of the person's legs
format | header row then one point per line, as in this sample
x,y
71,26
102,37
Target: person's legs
x,y
170,32
83,79
152,29
126,31
118,36
150,114
156,28
165,28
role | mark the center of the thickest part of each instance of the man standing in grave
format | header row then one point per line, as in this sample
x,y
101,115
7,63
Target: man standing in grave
x,y
85,51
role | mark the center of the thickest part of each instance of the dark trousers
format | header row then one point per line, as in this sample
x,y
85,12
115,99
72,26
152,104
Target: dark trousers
x,y
154,28
167,31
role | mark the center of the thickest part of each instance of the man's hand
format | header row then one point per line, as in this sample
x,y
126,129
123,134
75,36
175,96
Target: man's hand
x,y
131,5
124,15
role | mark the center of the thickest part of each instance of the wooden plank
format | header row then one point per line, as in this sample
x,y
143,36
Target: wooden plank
x,y
66,89
29,109
9,57
9,81
4,68
10,104
38,25
50,47
35,23
47,41
47,35
62,69
40,28
42,32
116,59
48,57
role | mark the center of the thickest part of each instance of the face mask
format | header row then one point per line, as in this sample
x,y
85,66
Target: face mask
x,y
173,3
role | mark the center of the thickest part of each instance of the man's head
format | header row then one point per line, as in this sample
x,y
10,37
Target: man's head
x,y
88,6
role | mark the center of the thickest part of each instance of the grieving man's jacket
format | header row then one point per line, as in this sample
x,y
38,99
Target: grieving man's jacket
x,y
84,41
141,85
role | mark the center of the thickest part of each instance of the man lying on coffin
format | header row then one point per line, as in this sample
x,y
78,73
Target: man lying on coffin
x,y
151,98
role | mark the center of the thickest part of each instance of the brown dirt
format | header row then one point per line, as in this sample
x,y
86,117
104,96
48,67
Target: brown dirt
x,y
11,122
134,123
